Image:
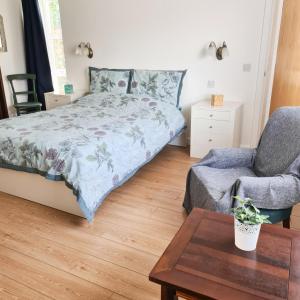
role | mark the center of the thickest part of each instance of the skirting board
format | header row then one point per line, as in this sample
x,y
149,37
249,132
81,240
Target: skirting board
x,y
180,140
38,189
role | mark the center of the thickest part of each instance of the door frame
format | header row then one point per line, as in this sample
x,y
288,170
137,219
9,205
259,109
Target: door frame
x,y
266,67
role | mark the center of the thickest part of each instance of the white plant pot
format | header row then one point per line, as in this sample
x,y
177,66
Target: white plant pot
x,y
246,236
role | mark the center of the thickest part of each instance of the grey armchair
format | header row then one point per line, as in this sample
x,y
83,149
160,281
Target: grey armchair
x,y
270,174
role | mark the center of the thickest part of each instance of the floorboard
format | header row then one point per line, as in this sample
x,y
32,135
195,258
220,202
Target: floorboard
x,y
49,254
45,253
11,289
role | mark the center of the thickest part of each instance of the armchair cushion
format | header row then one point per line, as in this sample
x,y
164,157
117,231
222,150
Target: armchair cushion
x,y
278,192
229,158
210,188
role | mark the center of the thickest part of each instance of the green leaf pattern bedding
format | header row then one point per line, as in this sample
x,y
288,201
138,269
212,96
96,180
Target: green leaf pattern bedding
x,y
94,144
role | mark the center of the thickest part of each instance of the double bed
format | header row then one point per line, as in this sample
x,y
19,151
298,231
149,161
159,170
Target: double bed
x,y
90,147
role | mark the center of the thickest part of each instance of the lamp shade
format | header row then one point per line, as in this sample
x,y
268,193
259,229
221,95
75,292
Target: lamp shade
x,y
78,50
212,49
86,50
225,51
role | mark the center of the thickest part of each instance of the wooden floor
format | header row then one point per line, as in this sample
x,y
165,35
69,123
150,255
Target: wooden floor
x,y
45,253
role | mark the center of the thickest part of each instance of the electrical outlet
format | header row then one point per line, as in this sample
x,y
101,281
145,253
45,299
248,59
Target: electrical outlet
x,y
211,84
247,67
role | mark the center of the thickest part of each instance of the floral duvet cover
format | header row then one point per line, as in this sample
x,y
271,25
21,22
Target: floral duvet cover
x,y
94,144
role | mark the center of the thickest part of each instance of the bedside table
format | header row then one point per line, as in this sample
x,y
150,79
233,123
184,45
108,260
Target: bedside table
x,y
53,100
214,127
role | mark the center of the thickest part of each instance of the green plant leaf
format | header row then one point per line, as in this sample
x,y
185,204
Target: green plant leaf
x,y
248,213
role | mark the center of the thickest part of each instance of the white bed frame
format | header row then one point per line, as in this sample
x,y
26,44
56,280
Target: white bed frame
x,y
56,194
38,189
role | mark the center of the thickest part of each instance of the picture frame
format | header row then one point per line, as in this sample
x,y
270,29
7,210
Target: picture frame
x,y
3,45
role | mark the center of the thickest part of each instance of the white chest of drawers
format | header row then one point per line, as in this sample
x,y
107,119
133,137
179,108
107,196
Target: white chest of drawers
x,y
214,127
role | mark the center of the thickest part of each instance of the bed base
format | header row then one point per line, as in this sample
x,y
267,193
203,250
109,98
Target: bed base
x,y
38,189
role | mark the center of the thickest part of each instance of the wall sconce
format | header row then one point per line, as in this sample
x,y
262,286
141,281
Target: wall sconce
x,y
84,49
220,52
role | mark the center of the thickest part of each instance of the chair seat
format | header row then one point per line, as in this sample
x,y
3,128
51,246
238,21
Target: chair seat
x,y
209,185
220,180
277,215
27,105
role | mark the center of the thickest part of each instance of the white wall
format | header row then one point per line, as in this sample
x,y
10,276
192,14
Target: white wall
x,y
13,61
170,34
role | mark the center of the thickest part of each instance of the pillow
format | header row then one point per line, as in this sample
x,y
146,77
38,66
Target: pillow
x,y
109,80
164,85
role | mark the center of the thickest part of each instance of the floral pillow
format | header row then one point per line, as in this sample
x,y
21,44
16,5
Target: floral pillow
x,y
164,85
109,80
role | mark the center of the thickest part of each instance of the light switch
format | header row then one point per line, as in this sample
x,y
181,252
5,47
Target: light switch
x,y
211,84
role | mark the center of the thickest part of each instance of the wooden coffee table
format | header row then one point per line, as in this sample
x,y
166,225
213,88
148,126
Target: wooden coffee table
x,y
203,262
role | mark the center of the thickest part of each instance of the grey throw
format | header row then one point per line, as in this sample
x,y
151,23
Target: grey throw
x,y
270,174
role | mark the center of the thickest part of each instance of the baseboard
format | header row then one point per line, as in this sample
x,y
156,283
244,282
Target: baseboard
x,y
180,140
245,146
188,141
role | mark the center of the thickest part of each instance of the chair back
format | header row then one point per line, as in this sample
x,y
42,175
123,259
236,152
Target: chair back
x,y
279,145
29,78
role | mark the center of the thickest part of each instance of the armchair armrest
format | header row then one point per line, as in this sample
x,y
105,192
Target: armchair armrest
x,y
226,158
278,192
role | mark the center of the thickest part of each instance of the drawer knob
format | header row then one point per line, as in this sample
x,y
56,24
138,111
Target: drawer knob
x,y
211,115
210,140
210,126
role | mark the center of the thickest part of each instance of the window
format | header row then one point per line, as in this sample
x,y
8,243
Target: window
x,y
53,33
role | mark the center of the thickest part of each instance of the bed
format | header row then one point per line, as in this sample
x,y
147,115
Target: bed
x,y
91,146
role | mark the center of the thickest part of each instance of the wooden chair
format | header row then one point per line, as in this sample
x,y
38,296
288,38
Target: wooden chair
x,y
29,106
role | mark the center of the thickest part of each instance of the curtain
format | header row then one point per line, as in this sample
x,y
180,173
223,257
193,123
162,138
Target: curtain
x,y
37,60
3,106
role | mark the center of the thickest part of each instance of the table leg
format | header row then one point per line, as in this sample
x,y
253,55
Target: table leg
x,y
168,293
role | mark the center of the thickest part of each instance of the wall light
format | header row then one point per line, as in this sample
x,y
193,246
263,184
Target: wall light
x,y
220,52
84,49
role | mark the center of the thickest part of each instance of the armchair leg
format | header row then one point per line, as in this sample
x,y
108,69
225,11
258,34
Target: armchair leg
x,y
287,223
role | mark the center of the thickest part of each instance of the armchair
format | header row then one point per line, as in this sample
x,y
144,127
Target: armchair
x,y
270,174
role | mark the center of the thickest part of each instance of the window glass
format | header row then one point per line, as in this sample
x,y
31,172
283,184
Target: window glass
x,y
52,27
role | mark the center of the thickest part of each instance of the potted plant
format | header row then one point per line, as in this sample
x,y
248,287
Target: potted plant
x,y
247,223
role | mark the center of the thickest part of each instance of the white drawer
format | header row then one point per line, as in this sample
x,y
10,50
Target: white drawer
x,y
214,126
220,140
211,114
53,100
202,142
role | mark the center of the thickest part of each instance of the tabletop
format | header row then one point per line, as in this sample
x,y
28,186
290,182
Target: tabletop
x,y
202,260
